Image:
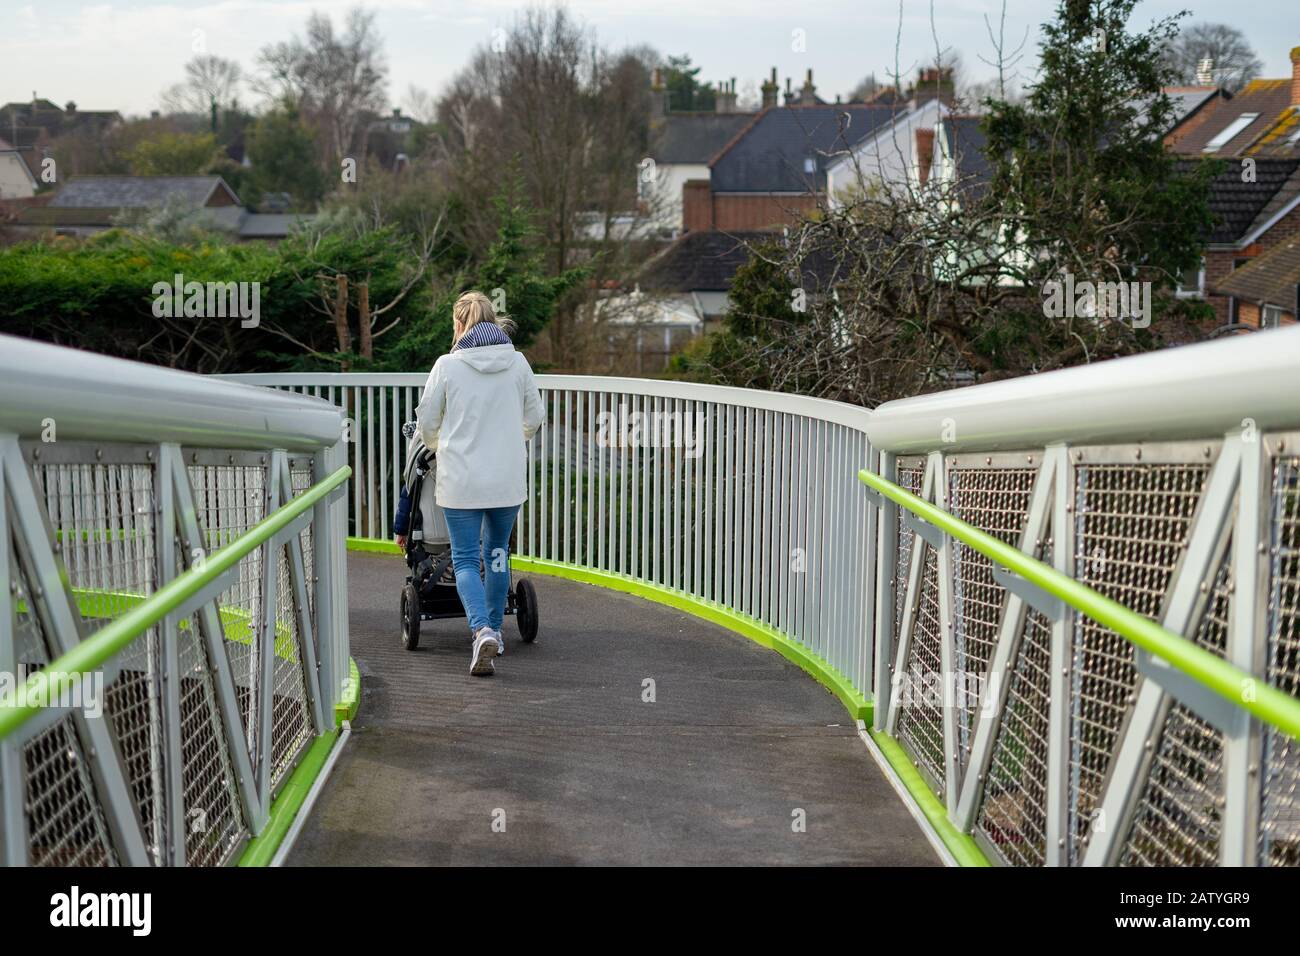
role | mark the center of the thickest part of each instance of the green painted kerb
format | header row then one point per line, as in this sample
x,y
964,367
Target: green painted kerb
x,y
963,849
261,849
374,545
1268,703
817,667
346,709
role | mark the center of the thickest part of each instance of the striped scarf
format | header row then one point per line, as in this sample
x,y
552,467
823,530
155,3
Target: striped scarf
x,y
484,333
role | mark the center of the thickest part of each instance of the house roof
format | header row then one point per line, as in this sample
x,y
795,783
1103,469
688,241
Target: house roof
x,y
905,119
965,142
234,219
1184,102
1271,279
137,192
51,215
699,262
269,225
707,261
1241,208
769,155
1269,98
695,137
14,155
1282,138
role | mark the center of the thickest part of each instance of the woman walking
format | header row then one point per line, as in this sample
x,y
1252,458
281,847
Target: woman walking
x,y
479,406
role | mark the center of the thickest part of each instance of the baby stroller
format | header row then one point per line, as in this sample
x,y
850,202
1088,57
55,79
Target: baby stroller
x,y
430,589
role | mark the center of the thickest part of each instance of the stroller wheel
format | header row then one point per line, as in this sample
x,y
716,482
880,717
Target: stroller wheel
x,y
526,610
410,617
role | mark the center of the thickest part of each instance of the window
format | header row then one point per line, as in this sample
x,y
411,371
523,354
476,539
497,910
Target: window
x,y
1229,132
1270,317
1191,283
809,165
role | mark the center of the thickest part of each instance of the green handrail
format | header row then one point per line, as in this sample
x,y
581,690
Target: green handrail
x,y
61,674
1268,703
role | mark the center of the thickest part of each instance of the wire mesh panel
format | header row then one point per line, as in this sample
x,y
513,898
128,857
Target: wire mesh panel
x,y
214,828
920,686
1013,814
996,501
1131,524
291,728
1179,814
1280,816
64,821
1178,819
65,824
230,499
102,517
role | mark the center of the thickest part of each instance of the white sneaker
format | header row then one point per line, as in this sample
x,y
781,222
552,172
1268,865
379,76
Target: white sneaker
x,y
501,643
485,648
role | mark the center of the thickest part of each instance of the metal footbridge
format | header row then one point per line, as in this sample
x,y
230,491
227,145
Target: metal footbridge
x,y
1050,621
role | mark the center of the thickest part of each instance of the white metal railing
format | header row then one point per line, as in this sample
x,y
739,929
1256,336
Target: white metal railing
x,y
174,536
1167,482
742,499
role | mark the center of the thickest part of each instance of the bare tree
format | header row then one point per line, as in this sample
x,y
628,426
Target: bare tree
x,y
1231,59
547,105
333,78
420,104
210,81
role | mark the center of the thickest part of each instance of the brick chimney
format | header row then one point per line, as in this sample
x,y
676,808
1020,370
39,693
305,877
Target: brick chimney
x,y
808,92
924,154
932,84
771,91
1295,76
724,99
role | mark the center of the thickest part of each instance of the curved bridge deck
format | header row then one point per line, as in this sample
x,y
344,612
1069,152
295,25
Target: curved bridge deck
x,y
585,771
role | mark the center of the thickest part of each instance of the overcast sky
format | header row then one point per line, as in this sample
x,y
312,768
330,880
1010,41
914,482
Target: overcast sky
x,y
121,55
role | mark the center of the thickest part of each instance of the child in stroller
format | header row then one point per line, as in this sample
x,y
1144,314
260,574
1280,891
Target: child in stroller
x,y
421,531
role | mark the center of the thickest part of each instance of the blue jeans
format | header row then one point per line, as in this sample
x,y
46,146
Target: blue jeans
x,y
481,534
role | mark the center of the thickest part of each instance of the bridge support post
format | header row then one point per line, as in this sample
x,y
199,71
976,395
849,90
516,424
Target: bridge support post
x,y
1057,849
322,538
265,638
167,560
1243,745
13,821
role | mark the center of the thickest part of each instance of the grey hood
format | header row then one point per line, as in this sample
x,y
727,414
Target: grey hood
x,y
486,358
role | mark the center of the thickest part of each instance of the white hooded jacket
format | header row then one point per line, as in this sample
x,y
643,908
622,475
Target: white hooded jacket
x,y
479,407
